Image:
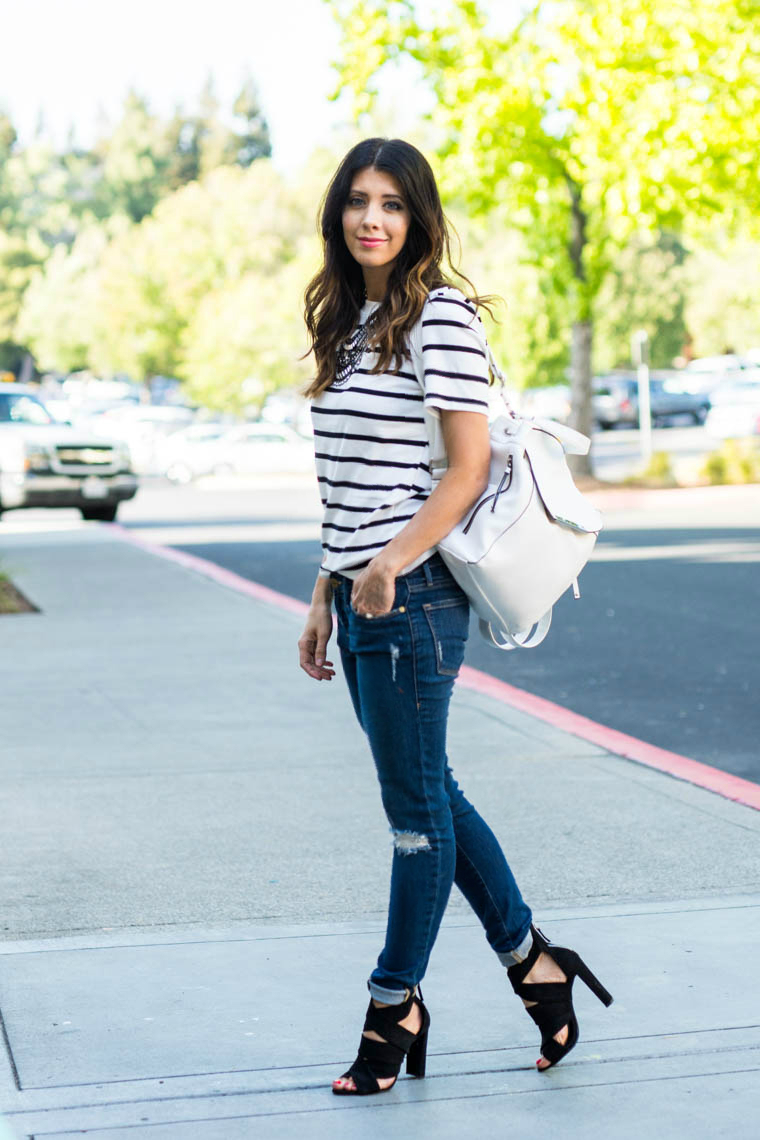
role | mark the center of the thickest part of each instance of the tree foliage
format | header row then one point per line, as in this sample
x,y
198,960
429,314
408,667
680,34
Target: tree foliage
x,y
724,317
587,125
582,153
49,197
208,288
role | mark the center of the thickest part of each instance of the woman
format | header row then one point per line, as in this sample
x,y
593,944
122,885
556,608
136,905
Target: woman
x,y
402,619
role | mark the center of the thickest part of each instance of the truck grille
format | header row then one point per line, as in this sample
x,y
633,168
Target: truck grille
x,y
90,456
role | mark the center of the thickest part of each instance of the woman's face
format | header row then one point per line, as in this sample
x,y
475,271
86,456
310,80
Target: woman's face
x,y
375,220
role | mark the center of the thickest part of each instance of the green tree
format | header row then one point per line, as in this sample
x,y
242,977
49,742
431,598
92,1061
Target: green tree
x,y
588,123
527,332
60,306
135,159
250,330
155,278
646,288
251,138
204,139
722,307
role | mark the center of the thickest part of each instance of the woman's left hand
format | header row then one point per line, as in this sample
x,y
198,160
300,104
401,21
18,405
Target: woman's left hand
x,y
373,590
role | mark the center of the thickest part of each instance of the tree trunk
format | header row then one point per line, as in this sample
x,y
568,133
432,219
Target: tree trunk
x,y
27,369
580,390
582,330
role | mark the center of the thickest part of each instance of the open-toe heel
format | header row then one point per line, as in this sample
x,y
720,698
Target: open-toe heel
x,y
553,1001
380,1060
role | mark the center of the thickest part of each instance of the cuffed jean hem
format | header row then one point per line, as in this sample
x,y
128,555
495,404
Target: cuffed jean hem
x,y
519,953
388,997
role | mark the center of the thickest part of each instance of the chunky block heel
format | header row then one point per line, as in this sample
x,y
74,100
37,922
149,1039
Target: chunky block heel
x,y
379,1060
553,1001
593,983
416,1058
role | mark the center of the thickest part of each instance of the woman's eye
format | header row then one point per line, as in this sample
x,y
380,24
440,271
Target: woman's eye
x,y
394,205
356,201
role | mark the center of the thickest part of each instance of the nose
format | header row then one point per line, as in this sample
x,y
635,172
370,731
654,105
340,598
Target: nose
x,y
372,216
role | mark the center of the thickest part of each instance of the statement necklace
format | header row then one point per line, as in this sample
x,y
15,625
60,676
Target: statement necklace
x,y
352,350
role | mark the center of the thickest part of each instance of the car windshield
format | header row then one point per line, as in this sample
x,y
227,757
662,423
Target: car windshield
x,y
18,408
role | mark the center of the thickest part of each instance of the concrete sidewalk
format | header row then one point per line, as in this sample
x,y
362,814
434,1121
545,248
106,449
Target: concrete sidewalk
x,y
194,878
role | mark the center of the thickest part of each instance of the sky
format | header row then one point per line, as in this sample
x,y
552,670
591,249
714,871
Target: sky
x,y
68,57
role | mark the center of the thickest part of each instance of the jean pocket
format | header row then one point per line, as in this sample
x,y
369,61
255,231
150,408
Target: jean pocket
x,y
449,623
374,619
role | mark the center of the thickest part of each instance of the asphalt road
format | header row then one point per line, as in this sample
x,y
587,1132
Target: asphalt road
x,y
662,644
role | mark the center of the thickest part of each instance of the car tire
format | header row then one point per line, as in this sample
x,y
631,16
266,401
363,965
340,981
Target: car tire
x,y
179,473
104,512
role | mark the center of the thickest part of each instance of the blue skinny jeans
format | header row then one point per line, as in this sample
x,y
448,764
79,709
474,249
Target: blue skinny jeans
x,y
400,670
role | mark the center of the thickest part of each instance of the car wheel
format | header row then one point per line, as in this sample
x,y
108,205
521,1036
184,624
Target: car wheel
x,y
105,512
179,473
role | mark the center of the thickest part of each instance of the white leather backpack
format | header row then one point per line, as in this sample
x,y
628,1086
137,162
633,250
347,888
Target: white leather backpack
x,y
530,533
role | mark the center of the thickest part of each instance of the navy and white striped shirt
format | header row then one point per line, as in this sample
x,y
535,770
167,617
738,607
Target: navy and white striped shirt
x,y
371,442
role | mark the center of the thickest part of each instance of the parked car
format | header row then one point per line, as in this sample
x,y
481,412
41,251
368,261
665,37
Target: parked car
x,y
192,452
44,463
735,411
551,402
142,428
707,373
260,448
615,400
247,449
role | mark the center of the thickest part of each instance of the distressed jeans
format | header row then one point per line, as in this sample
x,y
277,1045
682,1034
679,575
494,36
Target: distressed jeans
x,y
400,668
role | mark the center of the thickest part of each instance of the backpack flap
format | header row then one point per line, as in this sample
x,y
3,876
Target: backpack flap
x,y
559,494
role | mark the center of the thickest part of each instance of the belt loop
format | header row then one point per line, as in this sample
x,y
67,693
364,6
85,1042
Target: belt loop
x,y
428,572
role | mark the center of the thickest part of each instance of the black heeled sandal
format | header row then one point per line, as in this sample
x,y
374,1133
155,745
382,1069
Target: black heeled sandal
x,y
378,1060
554,1000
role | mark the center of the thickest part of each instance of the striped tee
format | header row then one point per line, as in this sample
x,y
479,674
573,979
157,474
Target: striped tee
x,y
371,442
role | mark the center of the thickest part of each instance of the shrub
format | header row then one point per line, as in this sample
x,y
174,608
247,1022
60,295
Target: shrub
x,y
657,473
737,461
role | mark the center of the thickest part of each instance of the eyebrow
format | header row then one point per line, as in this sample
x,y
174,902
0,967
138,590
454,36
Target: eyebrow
x,y
364,192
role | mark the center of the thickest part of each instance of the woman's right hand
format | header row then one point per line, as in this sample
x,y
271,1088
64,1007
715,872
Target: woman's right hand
x,y
312,644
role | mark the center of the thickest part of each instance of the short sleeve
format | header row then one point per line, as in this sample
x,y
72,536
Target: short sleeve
x,y
454,357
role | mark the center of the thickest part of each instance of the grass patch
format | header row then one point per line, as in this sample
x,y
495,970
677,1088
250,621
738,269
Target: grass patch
x,y
12,601
737,461
657,473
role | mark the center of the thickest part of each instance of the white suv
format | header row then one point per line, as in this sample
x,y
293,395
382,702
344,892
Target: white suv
x,y
44,463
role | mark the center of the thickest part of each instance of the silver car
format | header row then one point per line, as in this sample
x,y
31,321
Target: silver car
x,y
735,412
44,463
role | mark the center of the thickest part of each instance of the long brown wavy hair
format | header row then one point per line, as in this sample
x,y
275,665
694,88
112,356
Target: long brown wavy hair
x,y
336,294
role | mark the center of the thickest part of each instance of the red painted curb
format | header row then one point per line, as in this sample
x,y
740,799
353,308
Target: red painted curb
x,y
630,747
734,788
210,570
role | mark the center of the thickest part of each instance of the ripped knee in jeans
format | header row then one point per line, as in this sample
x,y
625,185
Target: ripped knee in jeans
x,y
409,842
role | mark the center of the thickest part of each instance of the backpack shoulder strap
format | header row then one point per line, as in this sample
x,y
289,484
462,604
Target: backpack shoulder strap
x,y
436,445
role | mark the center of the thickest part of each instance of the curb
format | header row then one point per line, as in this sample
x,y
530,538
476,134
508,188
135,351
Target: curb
x,y
650,498
723,784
